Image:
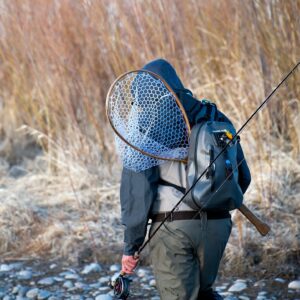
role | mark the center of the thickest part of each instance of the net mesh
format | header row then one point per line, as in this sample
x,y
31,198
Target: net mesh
x,y
146,115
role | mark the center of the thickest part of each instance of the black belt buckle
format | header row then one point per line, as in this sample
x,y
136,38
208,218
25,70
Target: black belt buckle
x,y
170,217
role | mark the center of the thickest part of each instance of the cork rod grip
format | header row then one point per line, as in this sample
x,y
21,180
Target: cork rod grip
x,y
262,227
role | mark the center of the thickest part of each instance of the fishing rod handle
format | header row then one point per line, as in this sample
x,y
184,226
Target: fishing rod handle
x,y
262,227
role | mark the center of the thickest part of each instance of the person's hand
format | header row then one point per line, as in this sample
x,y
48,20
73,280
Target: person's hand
x,y
129,263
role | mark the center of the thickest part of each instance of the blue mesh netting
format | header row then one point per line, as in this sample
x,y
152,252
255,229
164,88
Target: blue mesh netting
x,y
145,113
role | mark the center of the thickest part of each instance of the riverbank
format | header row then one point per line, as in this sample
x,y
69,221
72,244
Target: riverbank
x,y
55,280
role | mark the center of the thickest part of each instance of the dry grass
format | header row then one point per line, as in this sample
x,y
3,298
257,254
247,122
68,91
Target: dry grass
x,y
57,60
43,215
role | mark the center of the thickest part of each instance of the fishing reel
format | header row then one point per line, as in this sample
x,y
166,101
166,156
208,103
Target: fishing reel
x,y
224,137
120,286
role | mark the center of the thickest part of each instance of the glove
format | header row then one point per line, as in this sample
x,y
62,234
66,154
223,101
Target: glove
x,y
129,263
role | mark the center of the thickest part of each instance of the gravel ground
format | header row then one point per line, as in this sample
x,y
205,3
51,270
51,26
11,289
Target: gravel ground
x,y
55,280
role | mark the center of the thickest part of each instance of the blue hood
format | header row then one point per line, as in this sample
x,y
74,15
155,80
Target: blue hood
x,y
165,70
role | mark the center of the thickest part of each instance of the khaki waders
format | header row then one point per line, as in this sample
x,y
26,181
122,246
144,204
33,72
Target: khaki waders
x,y
185,255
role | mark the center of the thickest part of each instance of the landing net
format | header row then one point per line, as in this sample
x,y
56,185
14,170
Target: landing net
x,y
148,119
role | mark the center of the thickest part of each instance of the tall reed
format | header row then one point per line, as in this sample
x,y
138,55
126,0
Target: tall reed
x,y
58,58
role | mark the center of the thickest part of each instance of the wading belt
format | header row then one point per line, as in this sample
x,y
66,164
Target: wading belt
x,y
189,215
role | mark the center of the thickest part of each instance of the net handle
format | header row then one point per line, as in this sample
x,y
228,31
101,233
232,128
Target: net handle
x,y
107,105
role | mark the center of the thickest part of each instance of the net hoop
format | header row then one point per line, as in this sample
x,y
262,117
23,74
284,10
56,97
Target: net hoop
x,y
176,100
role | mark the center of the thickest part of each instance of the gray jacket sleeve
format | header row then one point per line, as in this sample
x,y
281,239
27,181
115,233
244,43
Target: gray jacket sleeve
x,y
137,193
244,172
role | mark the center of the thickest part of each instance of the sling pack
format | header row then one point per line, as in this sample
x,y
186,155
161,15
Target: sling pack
x,y
218,189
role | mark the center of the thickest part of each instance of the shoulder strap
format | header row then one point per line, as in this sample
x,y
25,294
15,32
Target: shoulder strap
x,y
208,111
167,183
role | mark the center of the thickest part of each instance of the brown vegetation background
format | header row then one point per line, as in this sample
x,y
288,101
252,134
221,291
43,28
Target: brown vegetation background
x,y
57,61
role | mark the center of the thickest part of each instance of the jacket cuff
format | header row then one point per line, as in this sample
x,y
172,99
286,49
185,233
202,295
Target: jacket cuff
x,y
130,249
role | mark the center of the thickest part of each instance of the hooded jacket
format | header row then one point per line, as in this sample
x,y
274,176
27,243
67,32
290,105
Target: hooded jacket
x,y
139,190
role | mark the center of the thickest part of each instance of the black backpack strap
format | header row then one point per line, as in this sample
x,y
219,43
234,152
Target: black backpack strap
x,y
211,110
167,183
197,111
208,112
191,105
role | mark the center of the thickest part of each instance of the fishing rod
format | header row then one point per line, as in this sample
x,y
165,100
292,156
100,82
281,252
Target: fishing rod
x,y
122,283
220,153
